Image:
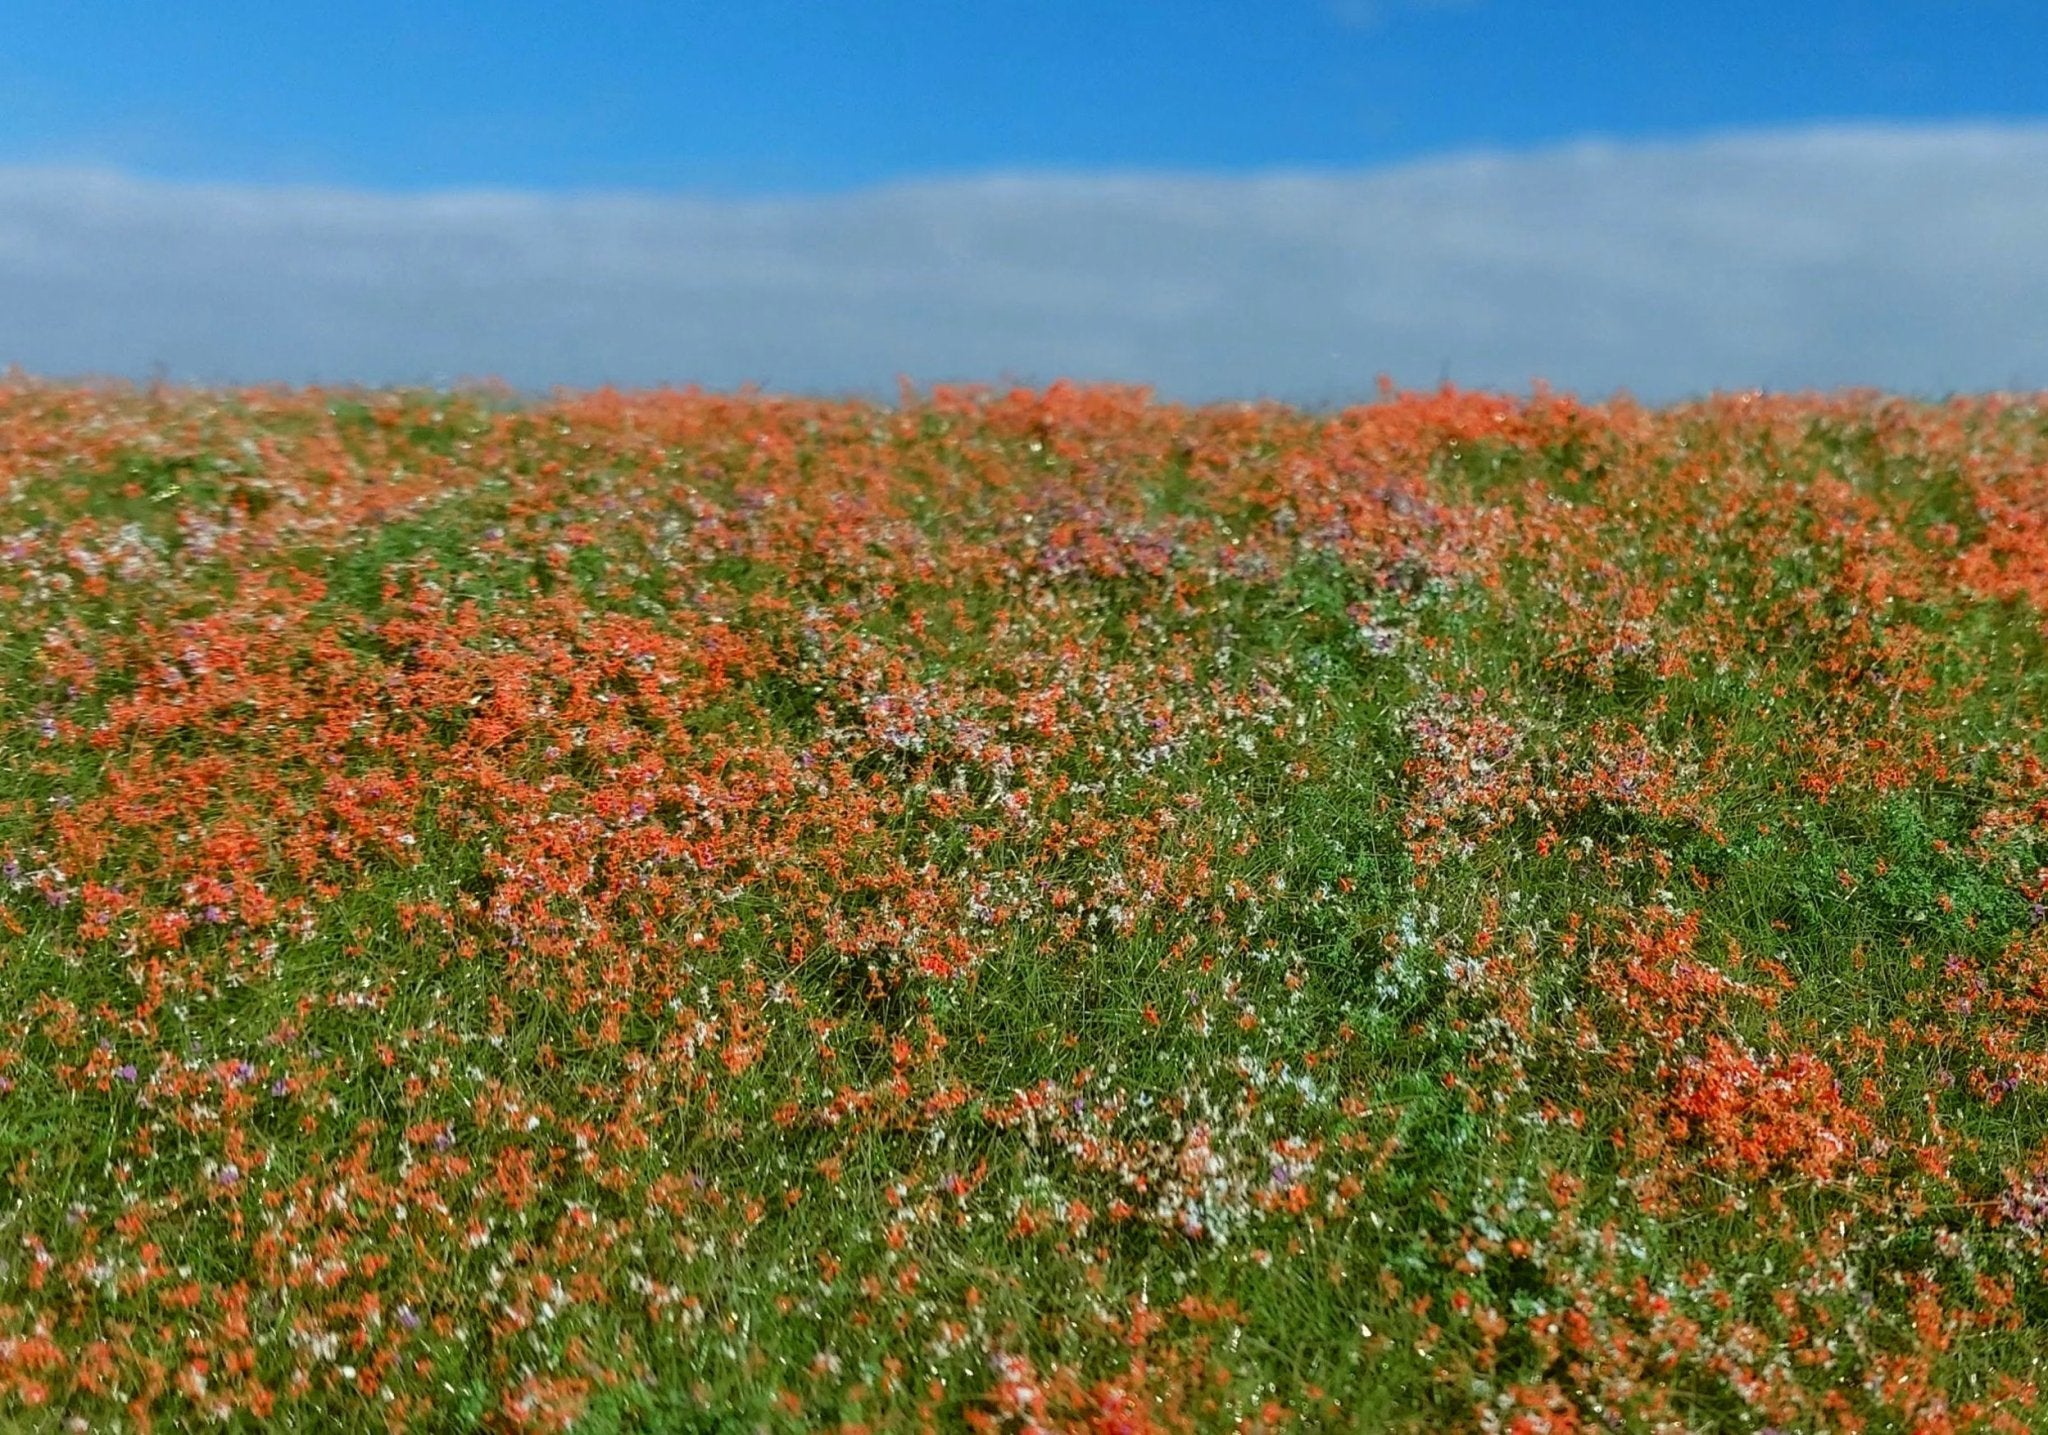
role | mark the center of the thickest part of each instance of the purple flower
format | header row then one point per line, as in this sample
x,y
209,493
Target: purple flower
x,y
230,1174
408,1318
126,1073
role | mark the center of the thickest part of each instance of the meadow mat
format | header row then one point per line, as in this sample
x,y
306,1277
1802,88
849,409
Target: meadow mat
x,y
1021,909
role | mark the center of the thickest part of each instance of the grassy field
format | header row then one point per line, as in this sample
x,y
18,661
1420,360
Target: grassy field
x,y
1022,911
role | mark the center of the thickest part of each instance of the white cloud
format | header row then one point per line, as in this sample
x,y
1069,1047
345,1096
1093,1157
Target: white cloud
x,y
1901,257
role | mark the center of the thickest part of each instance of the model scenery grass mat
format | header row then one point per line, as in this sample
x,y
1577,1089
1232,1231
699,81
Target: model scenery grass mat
x,y
1022,910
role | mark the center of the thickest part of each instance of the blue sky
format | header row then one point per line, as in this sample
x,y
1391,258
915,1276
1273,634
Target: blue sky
x,y
779,96
1265,198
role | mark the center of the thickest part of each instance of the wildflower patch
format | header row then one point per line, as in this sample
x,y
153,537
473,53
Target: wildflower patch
x,y
1021,909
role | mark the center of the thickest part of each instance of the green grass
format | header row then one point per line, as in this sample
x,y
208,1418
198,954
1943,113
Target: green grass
x,y
801,963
